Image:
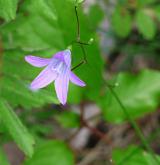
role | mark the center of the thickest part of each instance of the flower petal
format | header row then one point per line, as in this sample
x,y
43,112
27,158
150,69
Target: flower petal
x,y
61,85
44,78
67,57
76,80
37,61
64,56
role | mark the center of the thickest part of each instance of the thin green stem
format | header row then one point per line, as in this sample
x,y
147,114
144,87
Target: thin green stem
x,y
75,67
84,52
134,125
78,40
78,24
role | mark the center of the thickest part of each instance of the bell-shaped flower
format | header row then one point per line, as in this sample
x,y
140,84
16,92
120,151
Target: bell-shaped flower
x,y
57,69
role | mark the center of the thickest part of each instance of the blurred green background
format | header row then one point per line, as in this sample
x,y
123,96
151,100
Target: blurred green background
x,y
92,129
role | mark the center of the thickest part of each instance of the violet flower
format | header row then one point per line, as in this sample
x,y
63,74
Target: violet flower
x,y
57,69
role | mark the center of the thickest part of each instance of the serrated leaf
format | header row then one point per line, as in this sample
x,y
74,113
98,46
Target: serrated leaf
x,y
16,129
133,155
136,92
8,9
122,22
50,153
145,24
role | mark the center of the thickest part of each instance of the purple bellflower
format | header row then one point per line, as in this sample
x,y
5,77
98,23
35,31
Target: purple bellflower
x,y
57,69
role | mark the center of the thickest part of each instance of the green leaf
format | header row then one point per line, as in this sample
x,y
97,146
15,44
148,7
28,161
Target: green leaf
x,y
76,2
68,119
145,24
8,9
75,94
80,1
50,153
41,130
3,158
157,11
16,129
122,22
95,15
139,94
142,3
133,155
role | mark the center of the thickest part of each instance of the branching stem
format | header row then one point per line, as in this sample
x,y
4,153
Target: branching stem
x,y
78,40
